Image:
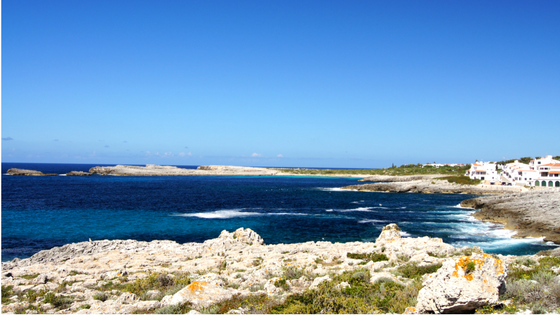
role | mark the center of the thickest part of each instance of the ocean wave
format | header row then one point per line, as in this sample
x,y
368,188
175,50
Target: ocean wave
x,y
61,174
371,221
360,209
459,207
333,189
405,234
234,213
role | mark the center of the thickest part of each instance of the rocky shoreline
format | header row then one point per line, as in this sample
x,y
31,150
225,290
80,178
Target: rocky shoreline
x,y
427,185
108,276
531,214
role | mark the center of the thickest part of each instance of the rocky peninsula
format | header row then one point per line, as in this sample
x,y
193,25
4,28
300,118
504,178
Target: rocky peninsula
x,y
238,273
427,184
158,170
531,214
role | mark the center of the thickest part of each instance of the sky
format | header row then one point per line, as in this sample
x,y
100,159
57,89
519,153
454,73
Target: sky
x,y
357,84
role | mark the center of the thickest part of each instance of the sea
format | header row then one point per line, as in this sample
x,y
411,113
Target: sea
x,y
40,213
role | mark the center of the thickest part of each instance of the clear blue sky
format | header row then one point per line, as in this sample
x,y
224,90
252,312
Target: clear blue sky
x,y
279,83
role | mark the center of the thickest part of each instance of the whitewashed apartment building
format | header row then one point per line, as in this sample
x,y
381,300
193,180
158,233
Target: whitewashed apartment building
x,y
484,171
544,172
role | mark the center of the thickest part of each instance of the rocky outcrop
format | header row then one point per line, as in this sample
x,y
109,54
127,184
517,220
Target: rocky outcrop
x,y
97,276
77,173
158,170
463,285
433,186
200,294
531,214
22,172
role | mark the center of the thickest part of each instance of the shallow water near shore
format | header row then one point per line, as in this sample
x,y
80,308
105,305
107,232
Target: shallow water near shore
x,y
42,212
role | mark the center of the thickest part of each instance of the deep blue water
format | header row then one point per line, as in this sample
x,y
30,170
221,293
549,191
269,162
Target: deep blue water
x,y
42,212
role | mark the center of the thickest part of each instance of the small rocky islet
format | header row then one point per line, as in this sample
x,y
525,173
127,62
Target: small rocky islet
x,y
238,273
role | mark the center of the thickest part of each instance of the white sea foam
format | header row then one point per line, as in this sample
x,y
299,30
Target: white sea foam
x,y
234,213
405,234
360,209
61,174
220,214
459,206
334,189
371,221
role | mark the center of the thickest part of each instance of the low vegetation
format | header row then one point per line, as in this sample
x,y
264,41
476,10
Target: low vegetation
x,y
531,285
361,296
407,169
414,271
461,180
166,284
368,257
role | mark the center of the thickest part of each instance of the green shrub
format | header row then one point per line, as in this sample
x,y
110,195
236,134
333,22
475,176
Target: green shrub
x,y
281,283
7,292
413,271
292,273
175,309
369,256
58,301
158,281
30,276
361,297
536,290
101,296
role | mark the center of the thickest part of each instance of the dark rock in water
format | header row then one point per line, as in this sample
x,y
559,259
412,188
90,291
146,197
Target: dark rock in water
x,y
22,172
78,173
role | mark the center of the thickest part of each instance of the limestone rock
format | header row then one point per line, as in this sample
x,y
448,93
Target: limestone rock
x,y
200,294
463,284
389,234
41,279
318,281
127,298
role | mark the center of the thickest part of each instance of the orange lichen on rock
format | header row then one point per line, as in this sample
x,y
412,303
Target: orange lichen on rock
x,y
197,286
462,263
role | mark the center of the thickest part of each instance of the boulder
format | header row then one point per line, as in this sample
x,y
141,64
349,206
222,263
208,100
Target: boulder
x,y
200,294
389,234
462,285
318,281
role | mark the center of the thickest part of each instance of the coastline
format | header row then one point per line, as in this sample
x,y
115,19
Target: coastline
x,y
105,276
531,214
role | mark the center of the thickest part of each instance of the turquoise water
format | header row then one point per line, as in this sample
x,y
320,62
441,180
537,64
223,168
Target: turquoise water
x,y
43,212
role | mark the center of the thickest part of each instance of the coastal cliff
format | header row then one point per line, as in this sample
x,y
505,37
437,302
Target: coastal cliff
x,y
238,273
535,213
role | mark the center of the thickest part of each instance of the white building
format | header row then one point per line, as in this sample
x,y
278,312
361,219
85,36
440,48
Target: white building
x,y
548,171
544,172
483,171
518,173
